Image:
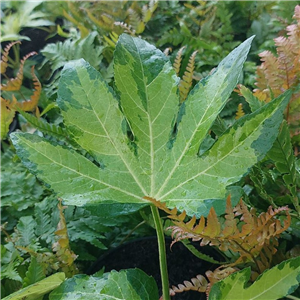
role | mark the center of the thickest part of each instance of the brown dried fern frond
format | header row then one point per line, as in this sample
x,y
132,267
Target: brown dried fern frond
x,y
4,57
15,84
167,51
61,247
31,104
187,78
279,73
178,59
198,284
239,112
255,235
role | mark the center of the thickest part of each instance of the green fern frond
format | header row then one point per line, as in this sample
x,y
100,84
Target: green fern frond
x,y
46,217
199,254
148,10
44,126
57,55
173,37
135,21
283,156
25,231
36,272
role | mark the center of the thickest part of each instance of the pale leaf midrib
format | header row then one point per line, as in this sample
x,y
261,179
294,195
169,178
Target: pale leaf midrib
x,y
264,291
185,148
211,166
84,175
116,148
152,182
149,124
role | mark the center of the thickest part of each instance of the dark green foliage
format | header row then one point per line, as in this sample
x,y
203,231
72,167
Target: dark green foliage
x,y
57,55
283,156
19,189
213,28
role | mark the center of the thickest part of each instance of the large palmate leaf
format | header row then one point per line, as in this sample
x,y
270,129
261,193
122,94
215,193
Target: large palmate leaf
x,y
131,284
146,144
275,283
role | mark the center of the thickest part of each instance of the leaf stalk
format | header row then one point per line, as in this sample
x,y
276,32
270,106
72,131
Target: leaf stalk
x,y
162,253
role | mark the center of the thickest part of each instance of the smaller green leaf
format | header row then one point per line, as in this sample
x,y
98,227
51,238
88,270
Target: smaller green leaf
x,y
26,228
44,126
131,284
282,154
10,260
35,273
253,101
275,283
36,290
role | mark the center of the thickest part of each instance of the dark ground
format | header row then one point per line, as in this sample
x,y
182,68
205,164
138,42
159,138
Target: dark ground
x,y
143,254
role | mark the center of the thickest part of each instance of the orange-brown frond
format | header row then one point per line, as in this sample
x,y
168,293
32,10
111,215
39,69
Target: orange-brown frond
x,y
177,62
239,112
7,115
198,284
31,104
15,83
187,78
61,247
4,57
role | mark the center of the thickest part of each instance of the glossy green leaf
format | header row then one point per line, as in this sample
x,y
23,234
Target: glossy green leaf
x,y
38,289
273,284
131,284
152,160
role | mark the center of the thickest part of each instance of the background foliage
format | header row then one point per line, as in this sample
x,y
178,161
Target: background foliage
x,y
62,31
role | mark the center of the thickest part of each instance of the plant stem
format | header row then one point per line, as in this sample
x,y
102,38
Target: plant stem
x,y
162,253
292,297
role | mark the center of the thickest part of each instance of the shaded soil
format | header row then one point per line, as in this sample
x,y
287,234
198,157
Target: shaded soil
x,y
143,254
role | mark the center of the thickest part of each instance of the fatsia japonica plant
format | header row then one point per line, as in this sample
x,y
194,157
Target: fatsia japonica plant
x,y
143,146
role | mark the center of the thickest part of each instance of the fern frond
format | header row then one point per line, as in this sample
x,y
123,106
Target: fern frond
x,y
174,37
278,73
177,61
187,78
7,115
147,10
4,57
62,248
135,21
239,112
198,284
127,28
167,51
217,275
199,254
31,104
253,101
44,126
283,156
254,237
14,84
36,272
105,21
